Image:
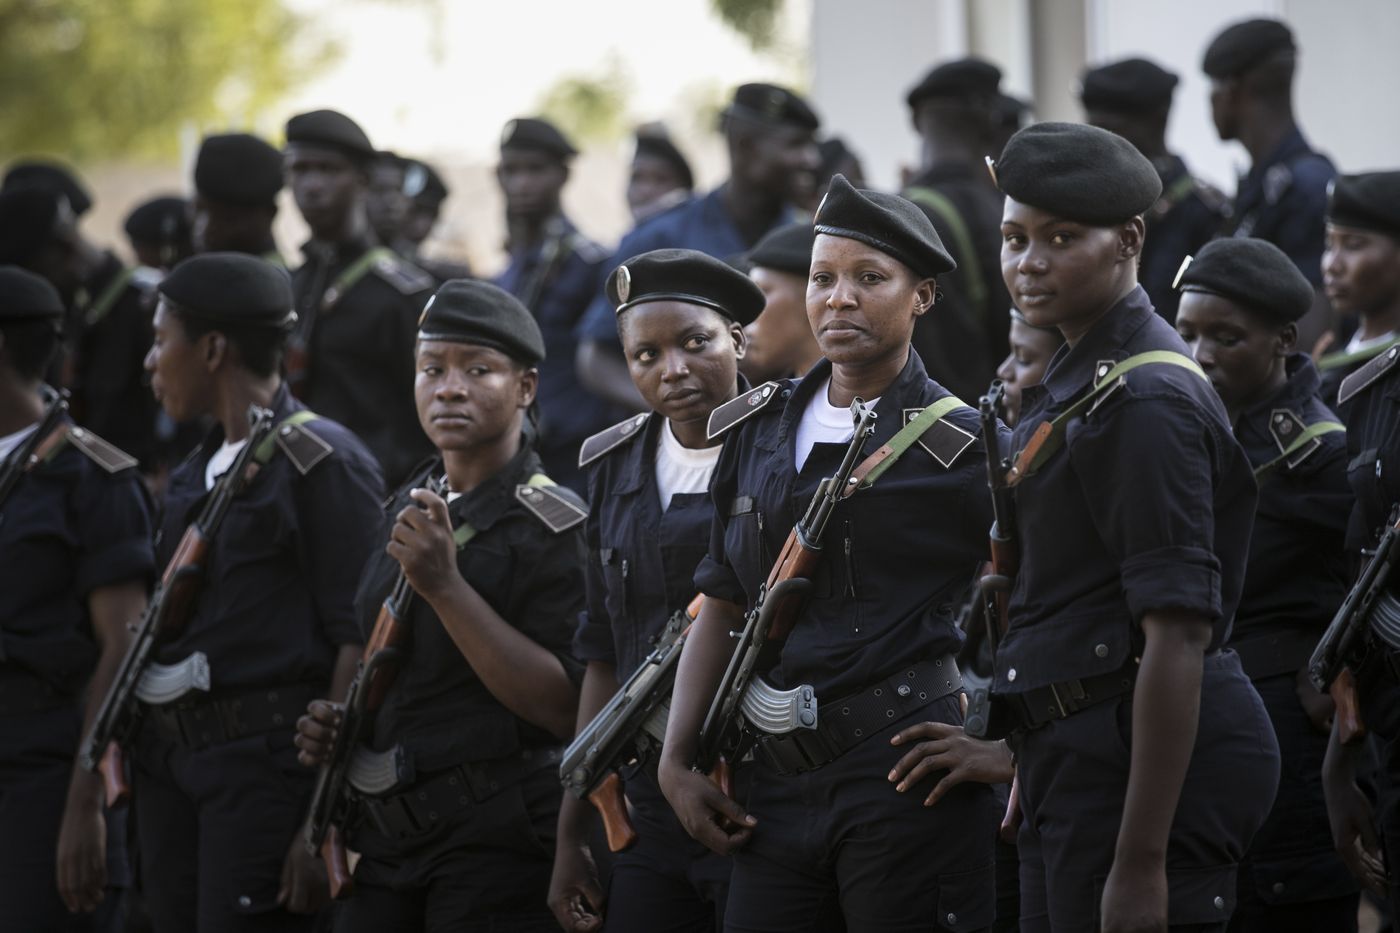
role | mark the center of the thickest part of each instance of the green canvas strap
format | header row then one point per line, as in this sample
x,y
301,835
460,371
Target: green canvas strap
x,y
865,475
1313,432
1179,190
1049,437
352,274
104,302
1342,359
974,285
464,532
268,446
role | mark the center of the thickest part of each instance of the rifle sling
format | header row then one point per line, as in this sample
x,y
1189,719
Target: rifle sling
x,y
464,532
1302,440
873,467
352,274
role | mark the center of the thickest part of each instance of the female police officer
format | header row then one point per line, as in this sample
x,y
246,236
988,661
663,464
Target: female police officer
x,y
1240,300
831,837
1145,758
681,316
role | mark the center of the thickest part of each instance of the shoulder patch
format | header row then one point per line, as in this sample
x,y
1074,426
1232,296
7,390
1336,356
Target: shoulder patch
x,y
110,458
303,448
403,275
611,438
737,410
559,508
944,440
1366,375
1285,425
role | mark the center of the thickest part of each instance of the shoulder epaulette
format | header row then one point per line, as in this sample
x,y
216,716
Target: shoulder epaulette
x,y
403,275
737,410
109,457
558,507
1286,427
303,447
609,439
944,440
1372,371
587,250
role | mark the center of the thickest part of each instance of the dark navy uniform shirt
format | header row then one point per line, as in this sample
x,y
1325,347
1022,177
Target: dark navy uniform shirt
x,y
1147,506
1186,217
67,528
1370,407
1283,199
279,583
438,709
1297,571
897,556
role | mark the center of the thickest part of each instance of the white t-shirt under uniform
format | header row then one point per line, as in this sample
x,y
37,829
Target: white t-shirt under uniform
x,y
681,469
823,423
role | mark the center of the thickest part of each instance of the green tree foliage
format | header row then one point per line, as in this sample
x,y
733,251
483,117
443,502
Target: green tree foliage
x,y
111,78
590,108
755,20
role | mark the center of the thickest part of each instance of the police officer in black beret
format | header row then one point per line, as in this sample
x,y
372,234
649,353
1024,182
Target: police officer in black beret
x,y
1241,299
839,826
159,232
487,688
1133,98
426,192
50,176
351,354
660,177
236,180
952,110
75,562
386,200
1145,756
219,799
781,343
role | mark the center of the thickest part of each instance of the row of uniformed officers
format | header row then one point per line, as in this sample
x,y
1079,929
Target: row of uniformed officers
x,y
1180,550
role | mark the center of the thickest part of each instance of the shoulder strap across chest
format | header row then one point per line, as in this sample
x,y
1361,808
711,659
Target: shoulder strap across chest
x,y
925,424
302,447
1296,439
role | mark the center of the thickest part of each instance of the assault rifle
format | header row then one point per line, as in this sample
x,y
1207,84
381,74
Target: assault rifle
x,y
23,458
1005,547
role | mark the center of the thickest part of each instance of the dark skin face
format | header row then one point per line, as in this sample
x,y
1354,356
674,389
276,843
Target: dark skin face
x,y
1066,274
239,228
1242,353
422,216
1225,107
780,339
386,205
181,368
1025,365
781,160
684,359
531,181
1361,271
652,178
328,188
470,398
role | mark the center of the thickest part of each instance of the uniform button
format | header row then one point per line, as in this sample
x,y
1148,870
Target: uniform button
x,y
1101,651
245,901
1011,674
1393,352
1278,887
1219,902
952,919
903,690
286,430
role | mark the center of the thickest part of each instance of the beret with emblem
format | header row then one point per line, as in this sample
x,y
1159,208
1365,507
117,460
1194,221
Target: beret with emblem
x,y
50,176
333,129
29,220
473,311
772,105
786,249
887,222
688,276
25,296
964,79
238,168
1368,201
657,144
233,289
1252,273
422,181
537,134
159,220
1078,173
1240,47
1132,85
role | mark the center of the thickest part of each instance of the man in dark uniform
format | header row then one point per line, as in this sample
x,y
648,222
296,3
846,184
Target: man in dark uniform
x,y
52,176
463,839
236,180
660,177
1241,299
75,561
386,201
554,272
426,193
219,798
770,134
351,355
781,342
964,337
159,232
1133,98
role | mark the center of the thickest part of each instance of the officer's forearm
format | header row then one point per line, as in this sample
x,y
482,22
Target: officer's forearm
x,y
522,674
1166,717
112,609
347,659
603,371
707,651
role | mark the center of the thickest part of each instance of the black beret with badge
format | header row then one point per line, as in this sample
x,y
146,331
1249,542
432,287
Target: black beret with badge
x,y
232,289
1078,173
332,129
25,296
473,311
968,80
656,142
238,168
49,176
772,105
786,249
1132,85
1240,47
539,135
1252,273
164,220
688,276
1367,201
887,222
422,181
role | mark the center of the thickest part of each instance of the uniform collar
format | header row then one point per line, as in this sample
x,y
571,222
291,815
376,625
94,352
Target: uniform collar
x,y
907,387
338,253
491,500
556,227
640,459
1071,370
1293,144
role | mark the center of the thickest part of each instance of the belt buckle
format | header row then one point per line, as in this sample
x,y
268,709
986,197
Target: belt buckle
x,y
1068,704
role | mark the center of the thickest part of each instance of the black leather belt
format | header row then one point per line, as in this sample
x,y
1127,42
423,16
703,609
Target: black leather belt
x,y
843,724
1283,652
205,721
24,692
444,797
1034,708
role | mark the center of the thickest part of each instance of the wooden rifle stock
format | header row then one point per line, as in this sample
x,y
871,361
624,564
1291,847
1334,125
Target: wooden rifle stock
x,y
1350,728
115,787
611,804
337,861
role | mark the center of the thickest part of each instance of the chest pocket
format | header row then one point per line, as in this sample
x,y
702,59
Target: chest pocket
x,y
617,571
1367,474
744,544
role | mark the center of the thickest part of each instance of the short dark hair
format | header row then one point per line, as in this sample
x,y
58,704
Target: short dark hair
x,y
30,346
259,348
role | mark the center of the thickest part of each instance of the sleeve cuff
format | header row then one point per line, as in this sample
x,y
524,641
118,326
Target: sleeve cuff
x,y
593,642
122,561
1182,579
718,580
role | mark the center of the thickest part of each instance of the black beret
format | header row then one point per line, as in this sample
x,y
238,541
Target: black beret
x,y
1127,86
786,249
421,180
29,217
688,276
657,143
234,289
50,176
1368,201
26,296
1242,46
473,311
538,134
331,128
1009,110
1253,273
887,222
1077,172
238,168
961,79
773,105
159,220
